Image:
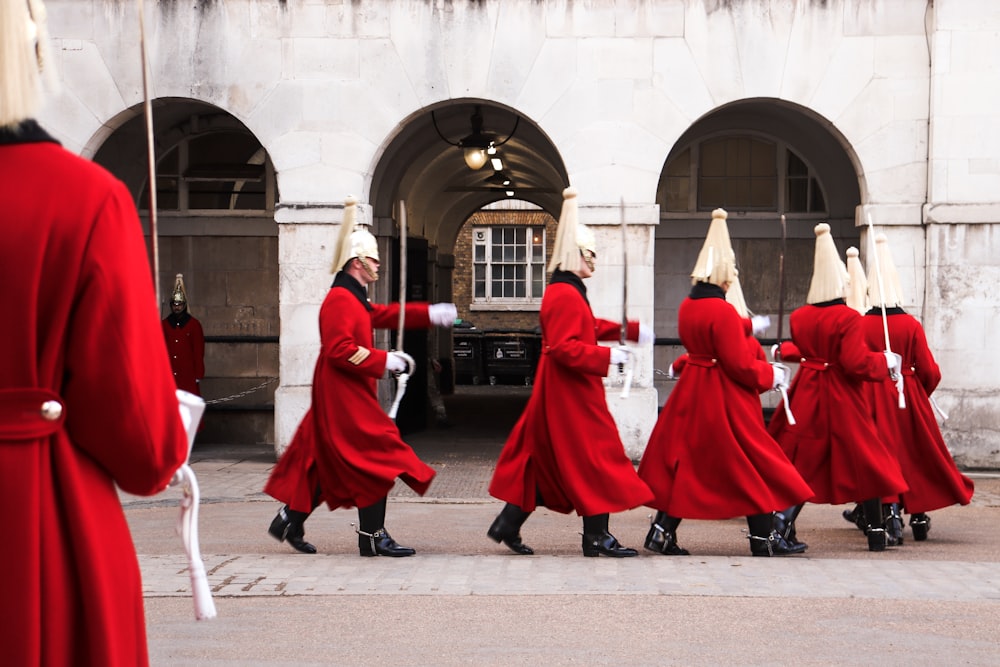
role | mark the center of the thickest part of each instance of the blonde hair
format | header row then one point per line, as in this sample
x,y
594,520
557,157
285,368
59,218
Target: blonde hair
x,y
24,57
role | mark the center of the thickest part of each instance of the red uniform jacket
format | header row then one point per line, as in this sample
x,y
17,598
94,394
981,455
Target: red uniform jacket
x,y
834,443
186,347
565,452
710,456
74,270
913,432
346,445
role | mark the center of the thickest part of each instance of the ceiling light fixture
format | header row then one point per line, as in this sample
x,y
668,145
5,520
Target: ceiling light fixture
x,y
478,147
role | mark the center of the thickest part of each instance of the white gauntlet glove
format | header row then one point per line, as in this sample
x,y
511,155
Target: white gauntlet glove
x,y
442,314
396,362
759,324
895,363
780,376
646,334
620,355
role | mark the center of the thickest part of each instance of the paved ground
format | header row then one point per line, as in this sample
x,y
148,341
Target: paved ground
x,y
465,600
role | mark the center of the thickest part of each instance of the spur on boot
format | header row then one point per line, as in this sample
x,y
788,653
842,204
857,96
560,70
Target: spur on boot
x,y
605,544
786,529
857,517
773,545
380,543
893,524
920,524
284,529
503,531
663,542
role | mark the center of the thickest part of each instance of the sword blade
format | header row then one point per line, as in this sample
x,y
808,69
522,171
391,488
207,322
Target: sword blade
x,y
402,275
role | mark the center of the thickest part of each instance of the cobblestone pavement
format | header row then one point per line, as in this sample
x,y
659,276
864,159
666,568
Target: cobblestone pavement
x,y
922,603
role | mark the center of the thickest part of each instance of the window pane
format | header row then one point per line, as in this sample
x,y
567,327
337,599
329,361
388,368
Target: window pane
x,y
763,159
479,253
818,203
713,158
711,193
764,193
797,195
796,167
680,165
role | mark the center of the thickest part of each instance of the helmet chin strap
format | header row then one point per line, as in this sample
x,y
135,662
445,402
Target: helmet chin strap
x,y
588,258
372,275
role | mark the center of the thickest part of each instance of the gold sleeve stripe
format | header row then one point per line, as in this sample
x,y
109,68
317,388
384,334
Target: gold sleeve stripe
x,y
359,356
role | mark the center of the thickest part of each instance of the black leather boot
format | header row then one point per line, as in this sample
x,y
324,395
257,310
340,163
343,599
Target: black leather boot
x,y
506,528
597,541
287,526
766,541
784,523
856,516
373,539
873,525
662,536
920,524
892,521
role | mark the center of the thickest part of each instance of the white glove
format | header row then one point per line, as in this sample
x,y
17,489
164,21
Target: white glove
x,y
620,355
780,376
760,324
442,314
774,351
646,334
895,363
395,363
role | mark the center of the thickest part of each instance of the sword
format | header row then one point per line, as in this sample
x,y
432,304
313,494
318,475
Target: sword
x,y
402,378
781,291
623,330
897,378
191,407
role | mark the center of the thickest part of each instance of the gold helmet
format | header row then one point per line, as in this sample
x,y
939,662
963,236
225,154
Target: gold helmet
x,y
829,278
353,239
716,262
179,294
574,240
857,288
890,292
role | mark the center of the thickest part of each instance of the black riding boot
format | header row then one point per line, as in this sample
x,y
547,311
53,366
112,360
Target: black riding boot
x,y
506,528
766,541
597,540
920,524
856,516
892,521
373,540
784,523
662,536
287,526
873,524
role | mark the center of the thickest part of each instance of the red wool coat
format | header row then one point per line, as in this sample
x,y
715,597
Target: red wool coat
x,y
710,456
74,270
834,443
186,347
913,432
346,444
566,446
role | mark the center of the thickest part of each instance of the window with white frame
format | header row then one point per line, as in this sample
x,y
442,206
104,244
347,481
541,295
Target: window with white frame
x,y
508,264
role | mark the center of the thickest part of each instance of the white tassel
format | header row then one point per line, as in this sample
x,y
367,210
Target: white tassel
x,y
784,401
628,378
899,388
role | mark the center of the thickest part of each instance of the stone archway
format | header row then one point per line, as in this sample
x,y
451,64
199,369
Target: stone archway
x,y
216,194
777,159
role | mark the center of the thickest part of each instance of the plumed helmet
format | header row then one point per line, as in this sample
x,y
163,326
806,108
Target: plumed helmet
x,y
716,262
179,295
572,237
857,287
353,239
829,278
890,292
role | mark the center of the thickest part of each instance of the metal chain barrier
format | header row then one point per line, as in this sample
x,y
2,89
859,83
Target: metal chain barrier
x,y
242,393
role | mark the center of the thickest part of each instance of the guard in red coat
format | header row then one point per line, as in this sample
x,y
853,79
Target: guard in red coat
x,y
565,452
87,402
709,455
346,451
912,430
834,443
185,341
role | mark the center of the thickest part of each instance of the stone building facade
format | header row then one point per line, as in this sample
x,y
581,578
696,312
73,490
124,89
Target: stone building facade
x,y
270,112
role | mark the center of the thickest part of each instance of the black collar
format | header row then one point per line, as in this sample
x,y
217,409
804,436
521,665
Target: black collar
x,y
351,284
702,290
831,302
560,276
27,132
895,310
177,320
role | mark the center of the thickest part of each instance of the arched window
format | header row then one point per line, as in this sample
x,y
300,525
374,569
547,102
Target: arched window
x,y
741,173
